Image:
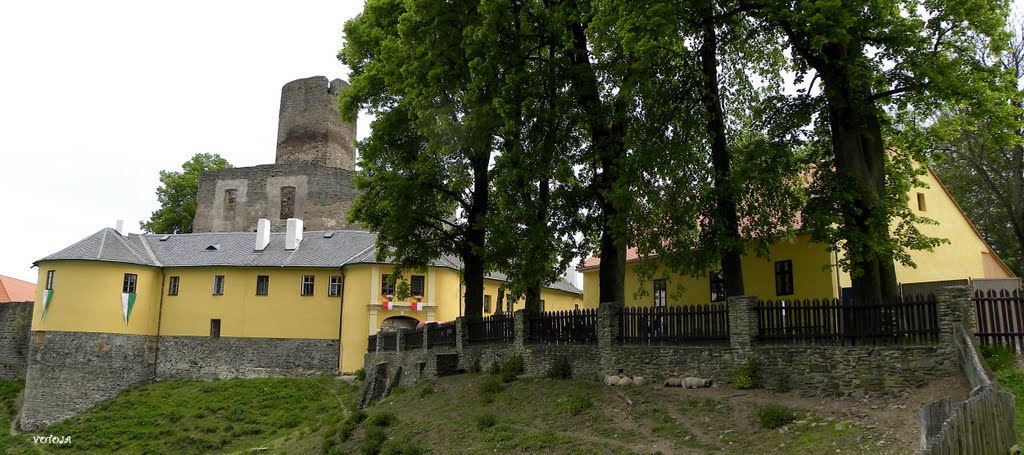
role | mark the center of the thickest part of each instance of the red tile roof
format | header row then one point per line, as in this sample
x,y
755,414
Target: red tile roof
x,y
15,290
594,262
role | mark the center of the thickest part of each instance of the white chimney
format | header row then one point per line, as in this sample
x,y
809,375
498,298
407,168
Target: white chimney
x,y
294,234
120,228
262,234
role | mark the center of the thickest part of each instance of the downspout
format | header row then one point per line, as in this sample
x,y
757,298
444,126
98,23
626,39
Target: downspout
x,y
159,320
341,313
838,283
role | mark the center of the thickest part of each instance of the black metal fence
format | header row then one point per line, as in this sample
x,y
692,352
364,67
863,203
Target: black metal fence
x,y
831,321
674,325
1000,317
441,334
491,329
371,343
388,341
413,339
564,327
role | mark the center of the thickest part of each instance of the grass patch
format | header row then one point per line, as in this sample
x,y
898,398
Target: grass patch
x,y
774,416
485,421
200,417
575,405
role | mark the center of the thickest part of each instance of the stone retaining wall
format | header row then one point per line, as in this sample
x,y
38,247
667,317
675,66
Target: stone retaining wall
x,y
69,372
224,358
808,368
15,328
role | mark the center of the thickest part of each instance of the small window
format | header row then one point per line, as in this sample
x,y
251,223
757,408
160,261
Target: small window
x,y
214,328
230,196
920,202
387,288
218,285
334,288
541,305
129,283
172,285
717,287
416,285
307,284
487,304
784,277
660,294
50,275
287,202
262,285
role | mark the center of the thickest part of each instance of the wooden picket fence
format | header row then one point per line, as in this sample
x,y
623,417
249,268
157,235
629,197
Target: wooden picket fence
x,y
564,327
441,334
1000,318
497,328
674,325
832,321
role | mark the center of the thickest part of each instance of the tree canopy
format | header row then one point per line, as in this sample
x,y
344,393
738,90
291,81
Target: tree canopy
x,y
177,195
506,130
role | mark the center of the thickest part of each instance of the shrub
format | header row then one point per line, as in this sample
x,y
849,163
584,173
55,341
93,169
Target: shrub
x,y
427,390
560,369
475,367
997,356
488,389
402,447
384,419
575,405
747,377
485,421
375,438
495,368
775,416
361,374
782,383
512,368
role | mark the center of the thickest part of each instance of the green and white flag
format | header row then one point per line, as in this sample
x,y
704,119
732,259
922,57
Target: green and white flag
x,y
47,295
127,302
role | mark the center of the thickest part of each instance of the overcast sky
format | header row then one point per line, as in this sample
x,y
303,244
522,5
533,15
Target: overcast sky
x,y
96,98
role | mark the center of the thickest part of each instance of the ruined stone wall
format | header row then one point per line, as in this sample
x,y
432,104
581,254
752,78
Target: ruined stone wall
x,y
232,200
69,372
229,357
15,329
310,129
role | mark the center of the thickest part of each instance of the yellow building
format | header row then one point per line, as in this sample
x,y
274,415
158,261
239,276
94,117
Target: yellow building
x,y
803,269
309,292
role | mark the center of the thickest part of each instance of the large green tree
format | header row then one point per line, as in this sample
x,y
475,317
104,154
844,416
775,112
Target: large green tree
x,y
875,59
177,195
980,148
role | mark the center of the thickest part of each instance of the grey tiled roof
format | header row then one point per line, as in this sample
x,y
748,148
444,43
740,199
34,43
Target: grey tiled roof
x,y
330,249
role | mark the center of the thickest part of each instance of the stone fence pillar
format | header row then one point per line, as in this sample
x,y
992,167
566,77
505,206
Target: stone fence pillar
x,y
955,307
400,341
608,323
380,343
520,328
426,339
742,323
461,333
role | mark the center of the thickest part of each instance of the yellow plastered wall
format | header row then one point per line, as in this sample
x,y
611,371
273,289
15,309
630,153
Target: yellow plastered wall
x,y
966,256
811,278
443,294
282,313
87,298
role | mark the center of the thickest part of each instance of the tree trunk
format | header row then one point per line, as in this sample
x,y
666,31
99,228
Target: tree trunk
x,y
860,155
725,196
474,245
607,125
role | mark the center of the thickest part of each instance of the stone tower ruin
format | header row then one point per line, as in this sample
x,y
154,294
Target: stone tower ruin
x,y
311,178
310,129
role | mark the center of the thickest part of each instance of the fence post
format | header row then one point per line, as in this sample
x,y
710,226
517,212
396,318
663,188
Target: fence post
x,y
742,323
608,324
426,337
954,307
380,343
400,341
461,333
520,324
